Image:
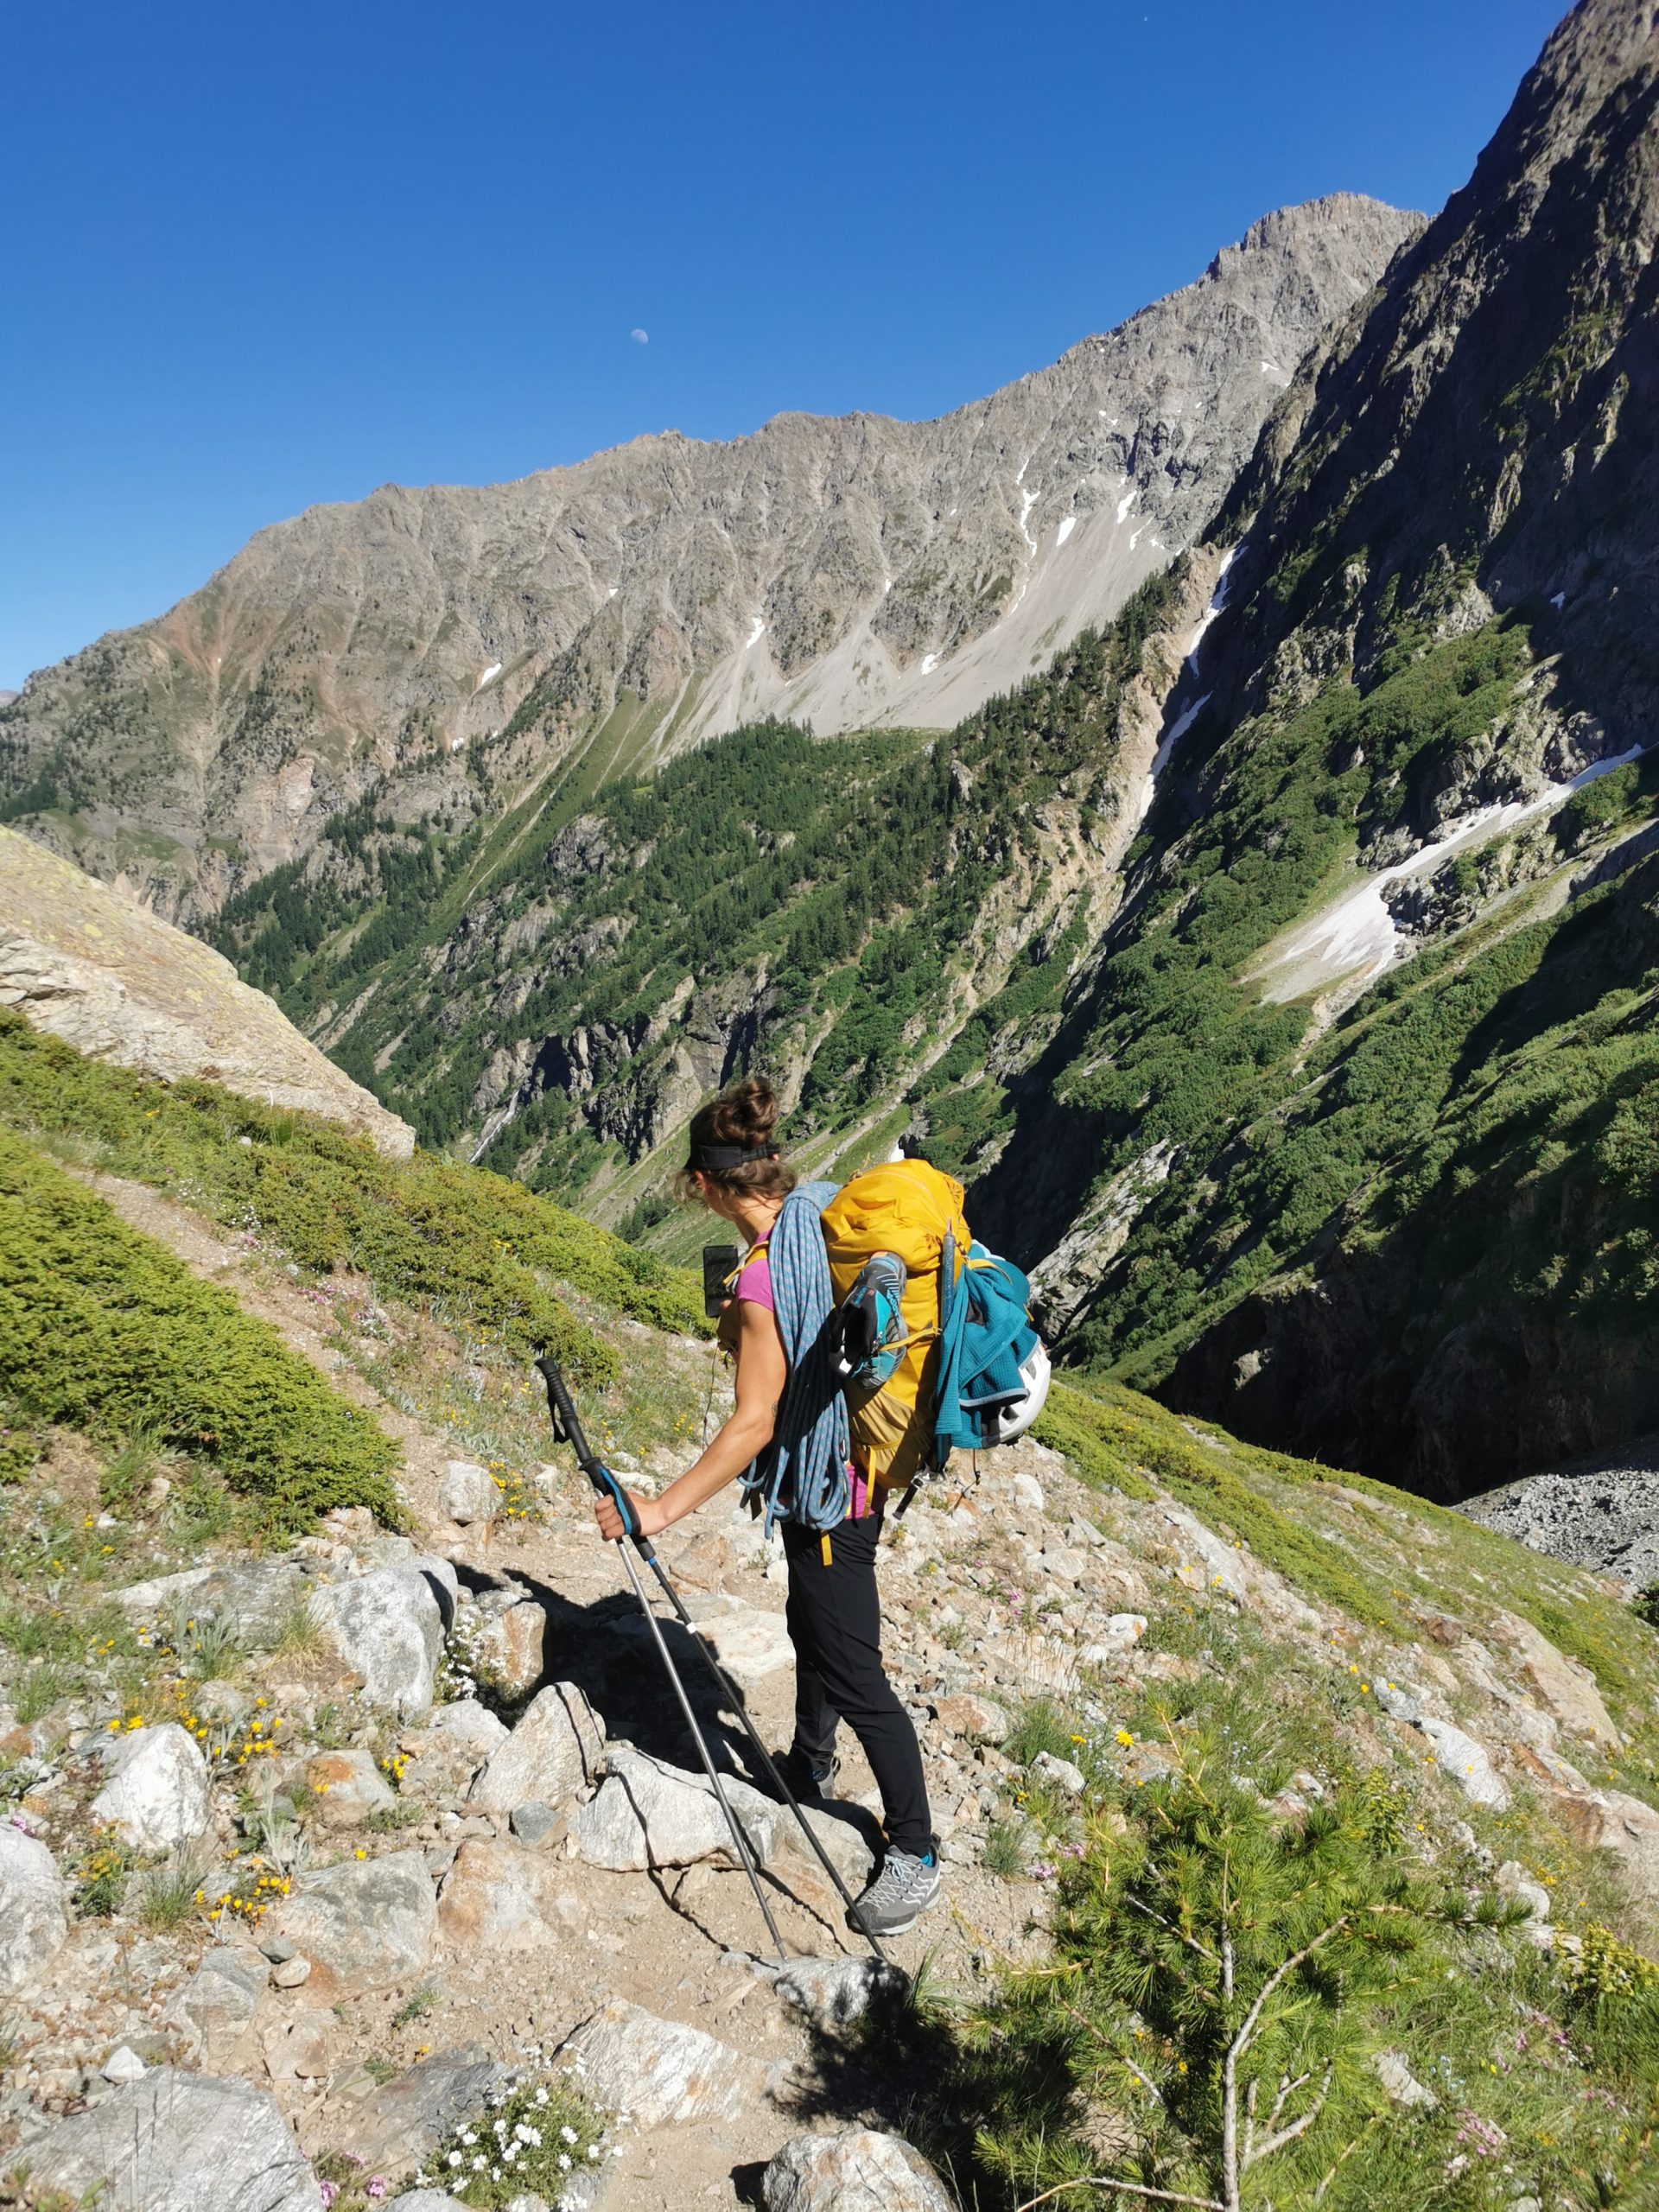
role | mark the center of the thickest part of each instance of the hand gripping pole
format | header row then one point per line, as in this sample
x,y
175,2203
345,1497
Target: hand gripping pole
x,y
566,1427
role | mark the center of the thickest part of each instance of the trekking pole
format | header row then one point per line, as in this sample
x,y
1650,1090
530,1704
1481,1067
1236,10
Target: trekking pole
x,y
567,1424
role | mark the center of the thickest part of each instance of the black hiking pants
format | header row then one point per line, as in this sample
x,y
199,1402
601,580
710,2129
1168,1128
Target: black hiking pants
x,y
834,1617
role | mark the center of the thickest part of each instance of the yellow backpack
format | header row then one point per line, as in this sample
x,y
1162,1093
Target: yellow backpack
x,y
914,1211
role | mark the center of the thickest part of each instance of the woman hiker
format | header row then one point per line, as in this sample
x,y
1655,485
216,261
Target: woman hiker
x,y
787,1439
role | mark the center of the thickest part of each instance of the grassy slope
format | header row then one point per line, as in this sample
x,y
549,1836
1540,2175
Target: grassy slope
x,y
96,1313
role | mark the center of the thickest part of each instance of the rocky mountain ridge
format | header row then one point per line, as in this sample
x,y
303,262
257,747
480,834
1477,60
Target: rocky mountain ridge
x,y
1411,818
848,573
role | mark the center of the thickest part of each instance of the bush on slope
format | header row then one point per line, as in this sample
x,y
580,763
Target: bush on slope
x,y
102,1330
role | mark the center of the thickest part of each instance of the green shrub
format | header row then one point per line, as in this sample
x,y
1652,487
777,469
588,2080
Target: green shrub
x,y
482,1250
102,1330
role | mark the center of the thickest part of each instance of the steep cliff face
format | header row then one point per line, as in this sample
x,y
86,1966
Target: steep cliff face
x,y
442,647
1348,1135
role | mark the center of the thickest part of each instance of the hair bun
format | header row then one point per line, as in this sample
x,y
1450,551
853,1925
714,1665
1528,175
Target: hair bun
x,y
747,1113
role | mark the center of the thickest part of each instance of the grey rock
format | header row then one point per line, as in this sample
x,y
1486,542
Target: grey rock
x,y
344,1788
217,2004
1603,1513
471,1724
858,2171
255,1599
1466,1762
178,2142
1061,1771
388,1626
468,1493
291,1974
158,1796
534,1822
1513,1881
1401,2084
33,1917
650,1814
364,1925
657,2071
403,2123
500,1896
552,1752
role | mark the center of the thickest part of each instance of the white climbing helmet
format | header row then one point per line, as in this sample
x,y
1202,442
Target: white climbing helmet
x,y
1016,1417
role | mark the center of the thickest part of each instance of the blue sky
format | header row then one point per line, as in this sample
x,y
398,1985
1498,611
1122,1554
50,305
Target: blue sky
x,y
253,257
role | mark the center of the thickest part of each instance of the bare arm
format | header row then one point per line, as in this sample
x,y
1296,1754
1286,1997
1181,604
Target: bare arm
x,y
762,1372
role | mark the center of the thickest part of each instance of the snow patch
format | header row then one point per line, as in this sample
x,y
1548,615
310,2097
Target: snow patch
x,y
1135,536
456,744
1067,526
611,593
1218,601
930,662
755,635
887,586
489,675
1357,932
1558,600
1178,730
1188,715
1127,501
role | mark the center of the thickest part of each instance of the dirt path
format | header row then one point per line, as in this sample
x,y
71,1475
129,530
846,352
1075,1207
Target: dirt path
x,y
678,1945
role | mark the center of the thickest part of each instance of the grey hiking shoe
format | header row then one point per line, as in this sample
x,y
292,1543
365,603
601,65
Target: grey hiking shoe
x,y
903,1889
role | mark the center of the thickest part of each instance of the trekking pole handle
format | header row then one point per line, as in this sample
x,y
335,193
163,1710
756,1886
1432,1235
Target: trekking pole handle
x,y
566,1426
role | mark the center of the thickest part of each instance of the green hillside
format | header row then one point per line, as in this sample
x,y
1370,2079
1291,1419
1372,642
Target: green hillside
x,y
821,903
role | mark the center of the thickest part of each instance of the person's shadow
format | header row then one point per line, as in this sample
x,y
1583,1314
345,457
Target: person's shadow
x,y
605,1647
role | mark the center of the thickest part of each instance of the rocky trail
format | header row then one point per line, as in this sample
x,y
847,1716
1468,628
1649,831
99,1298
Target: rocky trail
x,y
483,1847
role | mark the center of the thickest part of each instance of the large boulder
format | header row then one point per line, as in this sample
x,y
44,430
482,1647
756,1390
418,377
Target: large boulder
x,y
650,1814
158,1798
860,2171
1561,1685
177,2142
553,1754
388,1627
364,1925
627,2060
34,1922
502,1897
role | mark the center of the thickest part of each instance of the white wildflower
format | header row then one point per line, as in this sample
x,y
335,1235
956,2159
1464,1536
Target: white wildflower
x,y
566,2134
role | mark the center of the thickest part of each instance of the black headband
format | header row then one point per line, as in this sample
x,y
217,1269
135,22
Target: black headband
x,y
715,1158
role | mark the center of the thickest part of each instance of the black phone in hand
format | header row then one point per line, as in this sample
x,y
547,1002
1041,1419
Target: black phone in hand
x,y
719,1266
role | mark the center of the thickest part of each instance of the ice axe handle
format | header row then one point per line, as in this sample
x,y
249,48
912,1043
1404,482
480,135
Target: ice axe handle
x,y
567,1428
